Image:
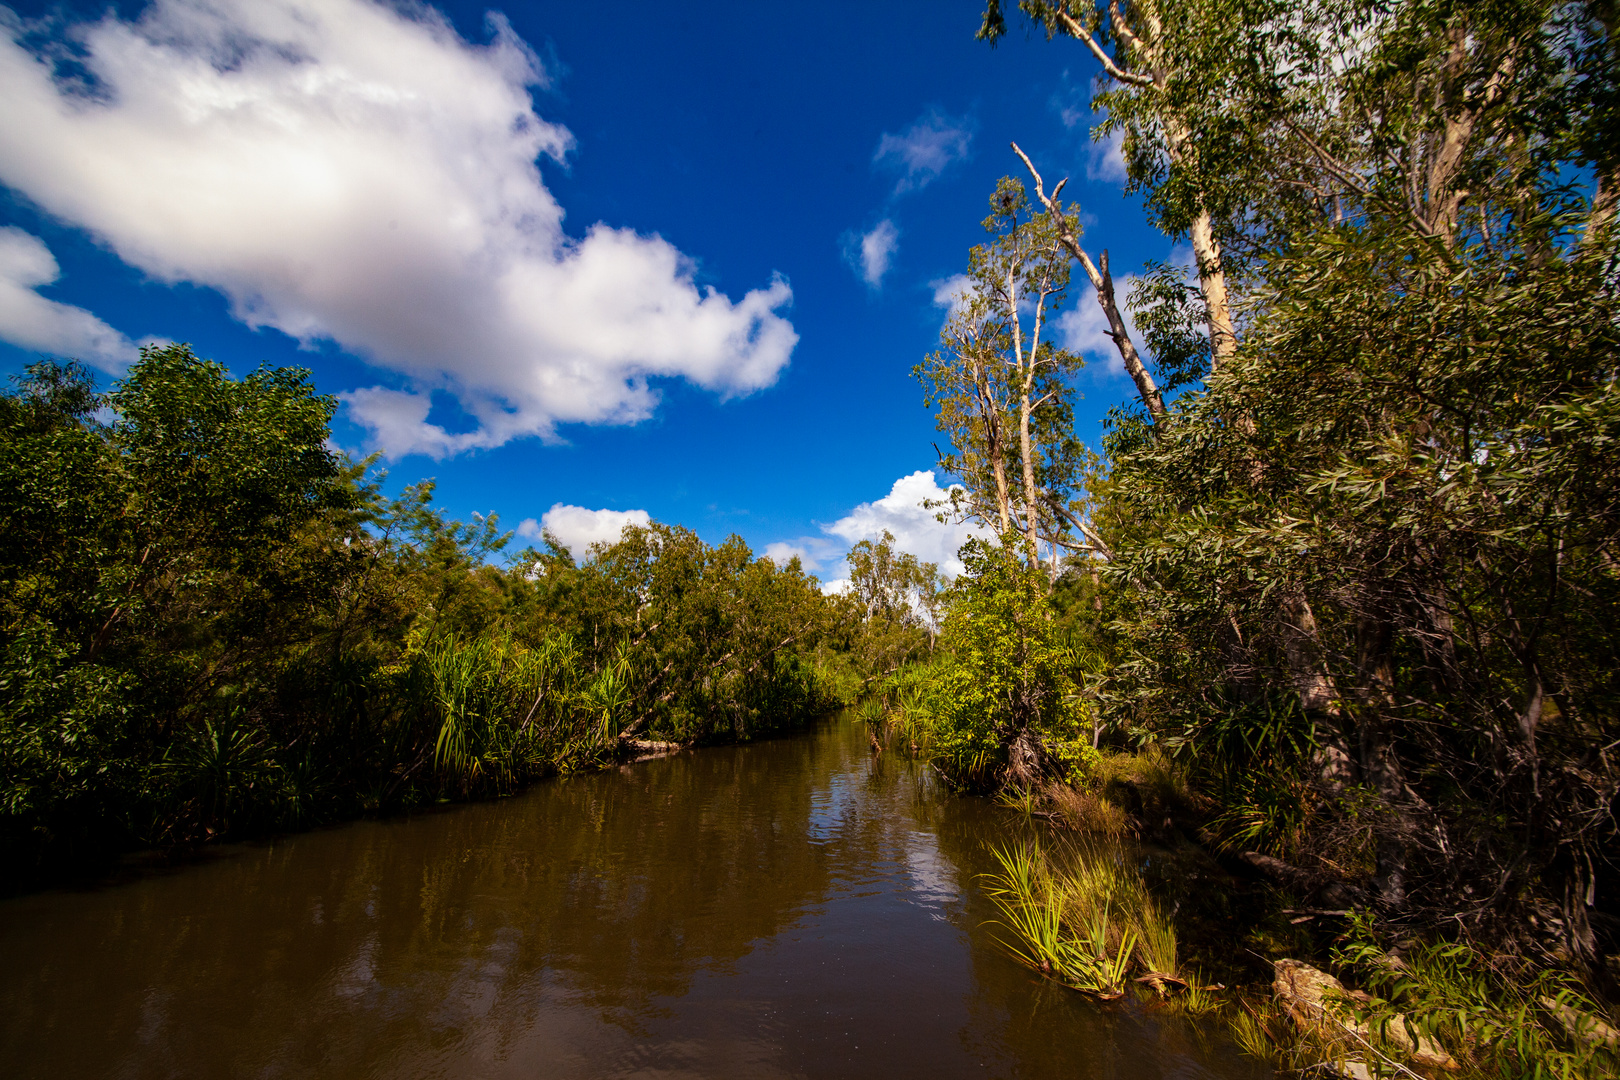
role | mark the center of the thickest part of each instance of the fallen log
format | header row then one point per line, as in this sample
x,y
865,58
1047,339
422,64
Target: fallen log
x,y
643,749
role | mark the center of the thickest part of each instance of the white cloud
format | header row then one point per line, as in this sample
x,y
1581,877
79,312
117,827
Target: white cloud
x,y
871,252
901,513
1105,159
356,171
924,150
1069,109
1084,329
34,322
782,552
952,293
814,553
915,529
809,551
577,528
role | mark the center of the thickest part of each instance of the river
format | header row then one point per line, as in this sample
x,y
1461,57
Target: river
x,y
789,908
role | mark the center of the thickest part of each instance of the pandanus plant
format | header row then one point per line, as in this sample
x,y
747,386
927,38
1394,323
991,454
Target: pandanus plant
x,y
217,764
468,687
606,700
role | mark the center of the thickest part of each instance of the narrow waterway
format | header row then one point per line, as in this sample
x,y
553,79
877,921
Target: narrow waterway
x,y
792,908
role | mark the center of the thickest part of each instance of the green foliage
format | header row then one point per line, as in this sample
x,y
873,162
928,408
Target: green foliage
x,y
1439,500
1002,686
896,606
506,712
210,625
1002,390
722,645
1086,920
1171,316
137,559
1362,575
1499,1021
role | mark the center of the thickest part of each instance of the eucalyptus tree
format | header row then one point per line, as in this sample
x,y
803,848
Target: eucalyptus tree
x,y
897,597
1003,391
1166,66
964,382
1002,387
1386,509
1244,122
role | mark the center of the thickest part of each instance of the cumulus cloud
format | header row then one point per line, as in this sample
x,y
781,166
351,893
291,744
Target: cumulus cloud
x,y
915,529
48,326
811,551
577,528
925,149
901,513
357,172
870,253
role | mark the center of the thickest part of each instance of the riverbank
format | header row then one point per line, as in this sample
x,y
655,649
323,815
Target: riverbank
x,y
237,633
111,863
1187,924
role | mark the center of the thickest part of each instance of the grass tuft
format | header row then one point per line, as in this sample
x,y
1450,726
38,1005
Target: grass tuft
x,y
1086,920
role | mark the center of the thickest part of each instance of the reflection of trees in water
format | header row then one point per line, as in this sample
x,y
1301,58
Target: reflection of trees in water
x,y
496,936
384,939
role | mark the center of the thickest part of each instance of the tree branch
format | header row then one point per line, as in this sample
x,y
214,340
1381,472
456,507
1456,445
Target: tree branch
x,y
1103,282
1114,71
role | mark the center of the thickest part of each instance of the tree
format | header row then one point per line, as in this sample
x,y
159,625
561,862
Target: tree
x,y
1166,72
1002,388
1004,690
1378,519
897,599
142,558
713,638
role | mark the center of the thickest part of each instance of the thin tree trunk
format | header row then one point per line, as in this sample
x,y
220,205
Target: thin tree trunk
x,y
1103,282
993,443
1206,248
1380,764
1212,282
1299,633
1026,375
1031,512
1604,199
1381,769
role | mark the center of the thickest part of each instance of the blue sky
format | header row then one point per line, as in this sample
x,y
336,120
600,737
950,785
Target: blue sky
x,y
677,259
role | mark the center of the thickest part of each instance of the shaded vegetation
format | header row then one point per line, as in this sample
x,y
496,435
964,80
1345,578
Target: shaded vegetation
x,y
1343,580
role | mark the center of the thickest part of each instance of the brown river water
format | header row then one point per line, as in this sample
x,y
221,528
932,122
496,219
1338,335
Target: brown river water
x,y
789,908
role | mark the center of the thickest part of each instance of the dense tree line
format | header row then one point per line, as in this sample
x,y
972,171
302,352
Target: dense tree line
x,y
1351,556
210,624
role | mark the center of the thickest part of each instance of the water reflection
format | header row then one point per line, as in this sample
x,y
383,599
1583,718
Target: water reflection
x,y
792,908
